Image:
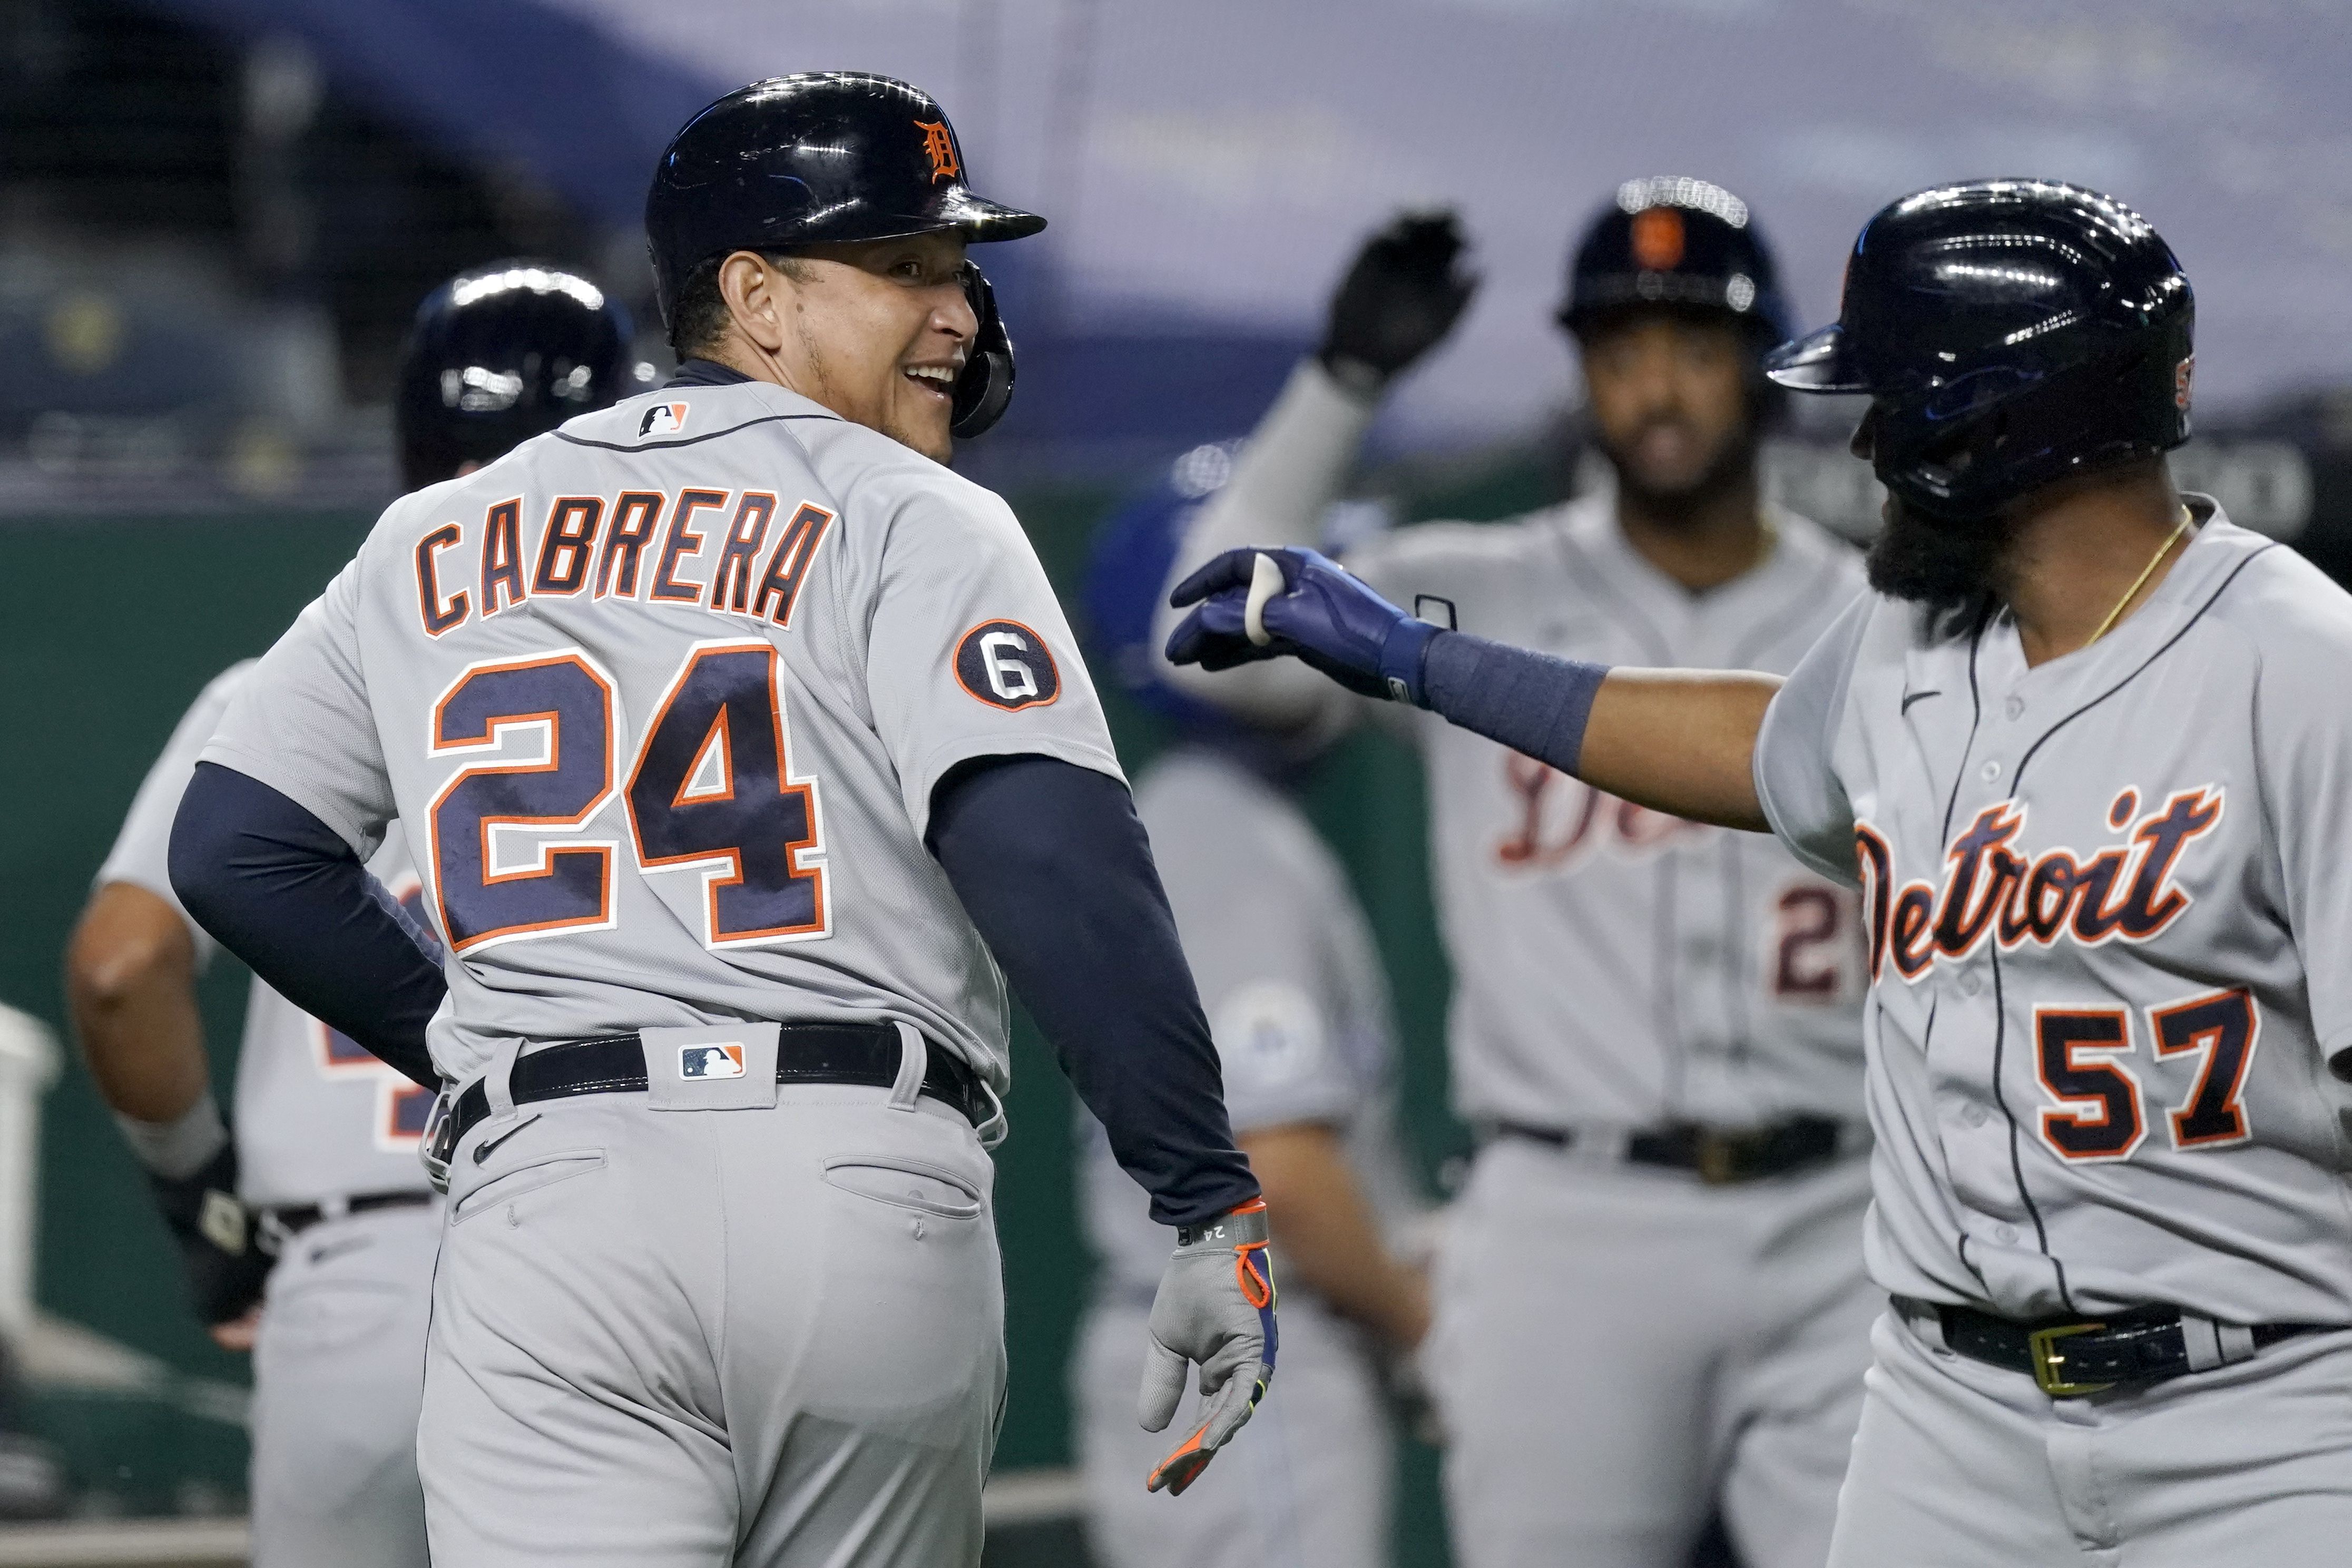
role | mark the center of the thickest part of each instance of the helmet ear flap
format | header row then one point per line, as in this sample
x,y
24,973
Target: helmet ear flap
x,y
984,390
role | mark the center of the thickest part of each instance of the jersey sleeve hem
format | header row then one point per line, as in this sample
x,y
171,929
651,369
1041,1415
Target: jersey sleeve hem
x,y
942,759
1846,875
318,802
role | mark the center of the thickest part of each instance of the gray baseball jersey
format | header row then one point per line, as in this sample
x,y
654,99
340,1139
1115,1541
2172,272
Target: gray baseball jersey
x,y
1613,964
1292,985
316,1116
2109,898
660,699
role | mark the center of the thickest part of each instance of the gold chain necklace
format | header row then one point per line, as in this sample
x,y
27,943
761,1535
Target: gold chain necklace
x,y
2187,520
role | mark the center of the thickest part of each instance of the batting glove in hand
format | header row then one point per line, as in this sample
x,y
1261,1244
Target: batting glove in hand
x,y
1255,604
1215,1306
218,1247
1405,290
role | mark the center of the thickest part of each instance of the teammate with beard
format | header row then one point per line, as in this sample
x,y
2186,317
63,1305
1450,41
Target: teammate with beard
x,y
1654,1299
2085,750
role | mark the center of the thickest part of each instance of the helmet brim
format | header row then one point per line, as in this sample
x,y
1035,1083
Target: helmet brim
x,y
1819,362
977,218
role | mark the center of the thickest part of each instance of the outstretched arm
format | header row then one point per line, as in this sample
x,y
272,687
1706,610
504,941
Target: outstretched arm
x,y
1676,740
1401,294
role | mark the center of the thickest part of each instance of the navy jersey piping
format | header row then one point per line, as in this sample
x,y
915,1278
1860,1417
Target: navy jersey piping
x,y
691,440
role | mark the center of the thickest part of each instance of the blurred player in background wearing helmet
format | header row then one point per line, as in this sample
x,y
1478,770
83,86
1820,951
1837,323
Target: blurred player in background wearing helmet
x,y
308,1234
1299,1010
1653,1297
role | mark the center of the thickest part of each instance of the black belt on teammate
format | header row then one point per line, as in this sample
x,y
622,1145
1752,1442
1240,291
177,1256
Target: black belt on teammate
x,y
294,1220
2071,1357
805,1053
1720,1156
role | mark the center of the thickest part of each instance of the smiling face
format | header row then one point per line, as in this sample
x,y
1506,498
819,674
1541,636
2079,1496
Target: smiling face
x,y
876,331
1671,400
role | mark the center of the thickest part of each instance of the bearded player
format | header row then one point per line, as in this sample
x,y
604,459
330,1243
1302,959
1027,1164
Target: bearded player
x,y
1655,1303
2085,753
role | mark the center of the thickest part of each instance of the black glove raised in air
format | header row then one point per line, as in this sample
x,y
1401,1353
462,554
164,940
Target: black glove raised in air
x,y
1406,289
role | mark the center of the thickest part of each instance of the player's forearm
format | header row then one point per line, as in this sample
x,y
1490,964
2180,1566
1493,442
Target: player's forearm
x,y
1326,1236
131,989
1051,863
1284,479
1676,740
281,890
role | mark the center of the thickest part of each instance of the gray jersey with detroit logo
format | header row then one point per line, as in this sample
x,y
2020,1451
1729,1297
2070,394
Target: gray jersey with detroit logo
x,y
2109,900
1614,964
659,699
316,1116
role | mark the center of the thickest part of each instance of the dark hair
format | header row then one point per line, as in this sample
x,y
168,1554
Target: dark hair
x,y
698,319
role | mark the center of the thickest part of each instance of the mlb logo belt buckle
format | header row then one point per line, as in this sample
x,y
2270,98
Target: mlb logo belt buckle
x,y
2049,1364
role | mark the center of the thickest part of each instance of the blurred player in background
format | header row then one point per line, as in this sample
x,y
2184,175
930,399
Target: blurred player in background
x,y
1655,1296
1299,1010
309,1235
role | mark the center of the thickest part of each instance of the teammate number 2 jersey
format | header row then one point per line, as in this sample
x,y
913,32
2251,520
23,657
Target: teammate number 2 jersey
x,y
2110,899
1613,964
660,699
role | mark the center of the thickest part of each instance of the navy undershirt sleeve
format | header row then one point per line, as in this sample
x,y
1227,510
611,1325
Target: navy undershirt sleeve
x,y
281,890
1055,870
1531,702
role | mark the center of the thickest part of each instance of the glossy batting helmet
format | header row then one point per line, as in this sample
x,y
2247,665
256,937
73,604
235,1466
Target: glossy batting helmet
x,y
498,355
1672,240
830,157
2009,333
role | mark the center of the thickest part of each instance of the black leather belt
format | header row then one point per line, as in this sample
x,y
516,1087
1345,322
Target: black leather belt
x,y
294,1221
1720,1156
2069,1357
805,1053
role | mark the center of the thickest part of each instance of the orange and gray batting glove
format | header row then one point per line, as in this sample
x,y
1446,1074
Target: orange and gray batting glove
x,y
1215,1306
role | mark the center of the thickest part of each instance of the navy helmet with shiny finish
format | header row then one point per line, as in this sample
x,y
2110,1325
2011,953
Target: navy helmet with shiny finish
x,y
1672,241
2009,332
827,157
501,353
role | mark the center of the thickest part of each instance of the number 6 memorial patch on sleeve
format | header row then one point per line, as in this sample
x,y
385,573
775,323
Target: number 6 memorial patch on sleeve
x,y
1006,664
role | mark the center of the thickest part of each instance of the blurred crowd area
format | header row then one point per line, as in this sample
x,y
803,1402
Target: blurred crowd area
x,y
216,218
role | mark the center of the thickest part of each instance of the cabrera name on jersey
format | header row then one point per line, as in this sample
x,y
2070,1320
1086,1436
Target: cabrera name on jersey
x,y
661,699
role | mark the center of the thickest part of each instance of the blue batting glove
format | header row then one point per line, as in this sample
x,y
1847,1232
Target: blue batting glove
x,y
1257,604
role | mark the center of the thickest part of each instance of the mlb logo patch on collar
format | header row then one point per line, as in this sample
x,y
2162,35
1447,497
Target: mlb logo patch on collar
x,y
663,419
724,1059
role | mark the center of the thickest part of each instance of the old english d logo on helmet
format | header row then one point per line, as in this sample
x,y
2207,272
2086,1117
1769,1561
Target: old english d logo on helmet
x,y
1658,239
940,148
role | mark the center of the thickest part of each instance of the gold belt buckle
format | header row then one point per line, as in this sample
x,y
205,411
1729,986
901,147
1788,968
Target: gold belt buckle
x,y
2042,1345
1718,1157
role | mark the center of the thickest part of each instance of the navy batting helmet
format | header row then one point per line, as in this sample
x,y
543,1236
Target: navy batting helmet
x,y
830,157
498,354
1127,580
1672,241
2009,332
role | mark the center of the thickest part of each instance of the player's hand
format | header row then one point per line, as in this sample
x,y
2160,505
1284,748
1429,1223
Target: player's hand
x,y
1215,1308
1406,289
240,1333
224,1263
1257,604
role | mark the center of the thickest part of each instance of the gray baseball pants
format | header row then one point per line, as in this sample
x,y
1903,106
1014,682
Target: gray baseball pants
x,y
697,1337
338,1372
1960,1465
1618,1349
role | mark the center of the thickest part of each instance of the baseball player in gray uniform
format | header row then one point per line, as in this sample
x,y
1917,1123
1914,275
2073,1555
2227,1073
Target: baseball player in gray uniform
x,y
738,743
1655,1303
1298,1007
309,1235
2084,752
